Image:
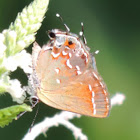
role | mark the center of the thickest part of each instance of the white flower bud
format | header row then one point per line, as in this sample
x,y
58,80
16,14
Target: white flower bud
x,y
16,91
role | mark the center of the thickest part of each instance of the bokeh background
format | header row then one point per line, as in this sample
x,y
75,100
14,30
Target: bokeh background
x,y
113,27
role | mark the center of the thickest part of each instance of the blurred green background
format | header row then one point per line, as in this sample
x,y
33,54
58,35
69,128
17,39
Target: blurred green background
x,y
113,27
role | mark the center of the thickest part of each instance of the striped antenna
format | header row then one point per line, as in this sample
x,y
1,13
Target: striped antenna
x,y
67,28
84,39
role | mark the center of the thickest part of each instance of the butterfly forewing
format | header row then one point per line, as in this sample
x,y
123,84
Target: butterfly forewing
x,y
68,80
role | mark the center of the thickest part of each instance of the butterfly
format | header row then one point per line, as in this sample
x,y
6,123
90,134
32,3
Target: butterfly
x,y
65,75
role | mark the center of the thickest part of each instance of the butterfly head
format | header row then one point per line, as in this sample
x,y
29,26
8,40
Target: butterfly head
x,y
61,38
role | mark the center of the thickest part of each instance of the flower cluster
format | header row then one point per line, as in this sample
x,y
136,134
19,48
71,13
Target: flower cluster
x,y
13,41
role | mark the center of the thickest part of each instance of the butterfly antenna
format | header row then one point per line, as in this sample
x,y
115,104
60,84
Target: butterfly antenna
x,y
82,34
65,25
96,52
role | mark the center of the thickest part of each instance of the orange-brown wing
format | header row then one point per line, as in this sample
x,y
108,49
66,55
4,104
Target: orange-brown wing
x,y
68,81
87,97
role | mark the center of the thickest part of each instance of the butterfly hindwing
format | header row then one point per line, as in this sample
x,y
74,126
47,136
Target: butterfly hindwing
x,y
68,80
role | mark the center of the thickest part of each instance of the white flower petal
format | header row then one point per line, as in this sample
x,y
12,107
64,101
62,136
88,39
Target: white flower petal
x,y
2,49
16,91
22,59
2,37
12,34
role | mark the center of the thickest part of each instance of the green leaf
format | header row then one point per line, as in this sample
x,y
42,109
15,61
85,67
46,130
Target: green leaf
x,y
8,114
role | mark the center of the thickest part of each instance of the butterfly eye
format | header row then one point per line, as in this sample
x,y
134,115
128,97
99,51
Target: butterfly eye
x,y
70,43
52,35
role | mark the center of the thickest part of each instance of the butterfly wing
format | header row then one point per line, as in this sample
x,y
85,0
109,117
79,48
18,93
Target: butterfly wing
x,y
68,81
79,97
